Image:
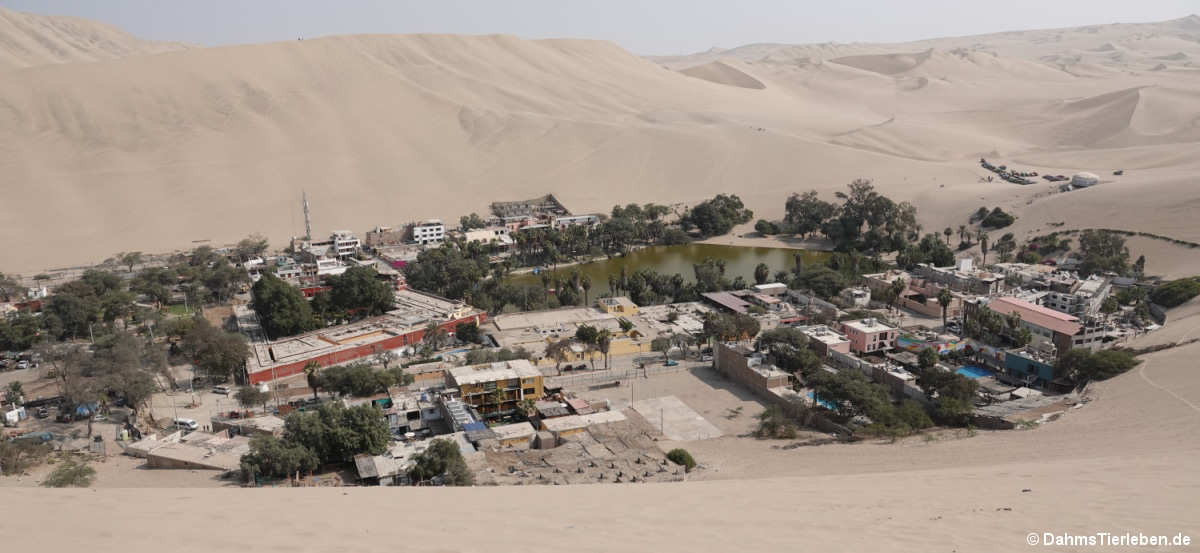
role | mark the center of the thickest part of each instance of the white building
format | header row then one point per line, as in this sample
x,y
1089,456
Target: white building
x,y
345,244
572,220
1083,298
431,231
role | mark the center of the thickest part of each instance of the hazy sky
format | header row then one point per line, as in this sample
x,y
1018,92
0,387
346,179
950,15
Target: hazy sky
x,y
644,27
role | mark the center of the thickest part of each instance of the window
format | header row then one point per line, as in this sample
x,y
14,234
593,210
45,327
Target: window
x,y
530,391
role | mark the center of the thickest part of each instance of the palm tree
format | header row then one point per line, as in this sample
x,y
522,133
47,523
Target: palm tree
x,y
498,397
962,233
983,246
898,287
585,282
944,298
761,273
312,376
603,343
948,232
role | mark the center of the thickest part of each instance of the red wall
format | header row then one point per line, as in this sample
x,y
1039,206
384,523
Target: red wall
x,y
342,356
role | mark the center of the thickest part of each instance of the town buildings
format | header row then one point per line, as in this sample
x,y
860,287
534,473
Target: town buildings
x,y
963,277
429,231
400,328
495,388
869,335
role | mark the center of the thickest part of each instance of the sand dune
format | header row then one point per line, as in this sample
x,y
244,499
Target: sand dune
x,y
722,73
215,143
886,64
28,40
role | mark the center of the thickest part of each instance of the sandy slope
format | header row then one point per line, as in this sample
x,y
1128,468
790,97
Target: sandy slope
x,y
154,152
27,40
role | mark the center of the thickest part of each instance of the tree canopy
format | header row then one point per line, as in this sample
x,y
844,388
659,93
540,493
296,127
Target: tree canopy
x,y
282,309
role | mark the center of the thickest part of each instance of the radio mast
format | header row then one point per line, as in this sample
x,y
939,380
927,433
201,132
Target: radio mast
x,y
307,222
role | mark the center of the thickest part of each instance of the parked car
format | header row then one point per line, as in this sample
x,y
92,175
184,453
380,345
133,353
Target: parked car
x,y
187,424
223,390
43,412
706,358
21,365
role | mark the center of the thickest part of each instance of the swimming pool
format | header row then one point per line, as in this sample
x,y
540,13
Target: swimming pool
x,y
973,372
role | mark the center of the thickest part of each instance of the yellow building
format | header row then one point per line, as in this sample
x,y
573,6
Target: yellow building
x,y
617,306
496,387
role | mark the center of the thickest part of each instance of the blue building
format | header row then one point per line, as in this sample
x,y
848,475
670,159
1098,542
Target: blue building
x,y
1023,364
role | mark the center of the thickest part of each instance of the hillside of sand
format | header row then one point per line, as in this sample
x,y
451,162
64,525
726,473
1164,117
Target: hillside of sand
x,y
156,151
28,40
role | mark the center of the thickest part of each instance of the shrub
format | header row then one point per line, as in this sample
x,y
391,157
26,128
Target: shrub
x,y
18,455
1176,292
998,219
70,474
681,456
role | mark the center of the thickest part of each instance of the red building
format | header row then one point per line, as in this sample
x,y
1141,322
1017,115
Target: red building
x,y
399,328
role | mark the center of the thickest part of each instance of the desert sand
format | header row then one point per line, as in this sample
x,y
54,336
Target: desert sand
x,y
130,147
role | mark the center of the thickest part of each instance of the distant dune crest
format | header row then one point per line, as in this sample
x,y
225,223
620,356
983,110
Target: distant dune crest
x,y
216,143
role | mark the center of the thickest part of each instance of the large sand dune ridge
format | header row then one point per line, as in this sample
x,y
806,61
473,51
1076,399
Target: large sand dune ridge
x,y
136,148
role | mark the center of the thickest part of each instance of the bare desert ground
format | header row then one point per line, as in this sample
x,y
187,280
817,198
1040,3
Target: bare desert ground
x,y
116,144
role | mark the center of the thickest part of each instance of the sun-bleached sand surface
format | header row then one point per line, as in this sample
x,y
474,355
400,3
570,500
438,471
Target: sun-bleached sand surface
x,y
152,147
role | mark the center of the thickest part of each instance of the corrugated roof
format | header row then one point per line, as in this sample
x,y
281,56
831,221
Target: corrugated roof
x,y
1037,315
727,300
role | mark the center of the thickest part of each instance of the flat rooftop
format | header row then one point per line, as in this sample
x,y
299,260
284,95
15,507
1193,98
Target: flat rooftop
x,y
868,325
413,312
493,372
825,335
551,319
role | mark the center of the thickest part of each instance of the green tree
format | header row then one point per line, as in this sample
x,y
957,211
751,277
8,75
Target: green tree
x,y
468,332
681,457
1102,251
250,247
927,359
662,345
358,380
10,288
336,433
14,392
944,298
604,343
761,273
129,259
281,307
359,291
252,396
312,375
443,461
717,216
559,351
276,458
1176,292
216,352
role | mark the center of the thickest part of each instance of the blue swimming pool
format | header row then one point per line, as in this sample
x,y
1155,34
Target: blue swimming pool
x,y
823,403
973,372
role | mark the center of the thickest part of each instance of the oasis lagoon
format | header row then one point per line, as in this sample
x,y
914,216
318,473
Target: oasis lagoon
x,y
669,260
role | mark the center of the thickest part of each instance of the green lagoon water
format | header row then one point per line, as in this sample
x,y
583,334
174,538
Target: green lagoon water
x,y
739,261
